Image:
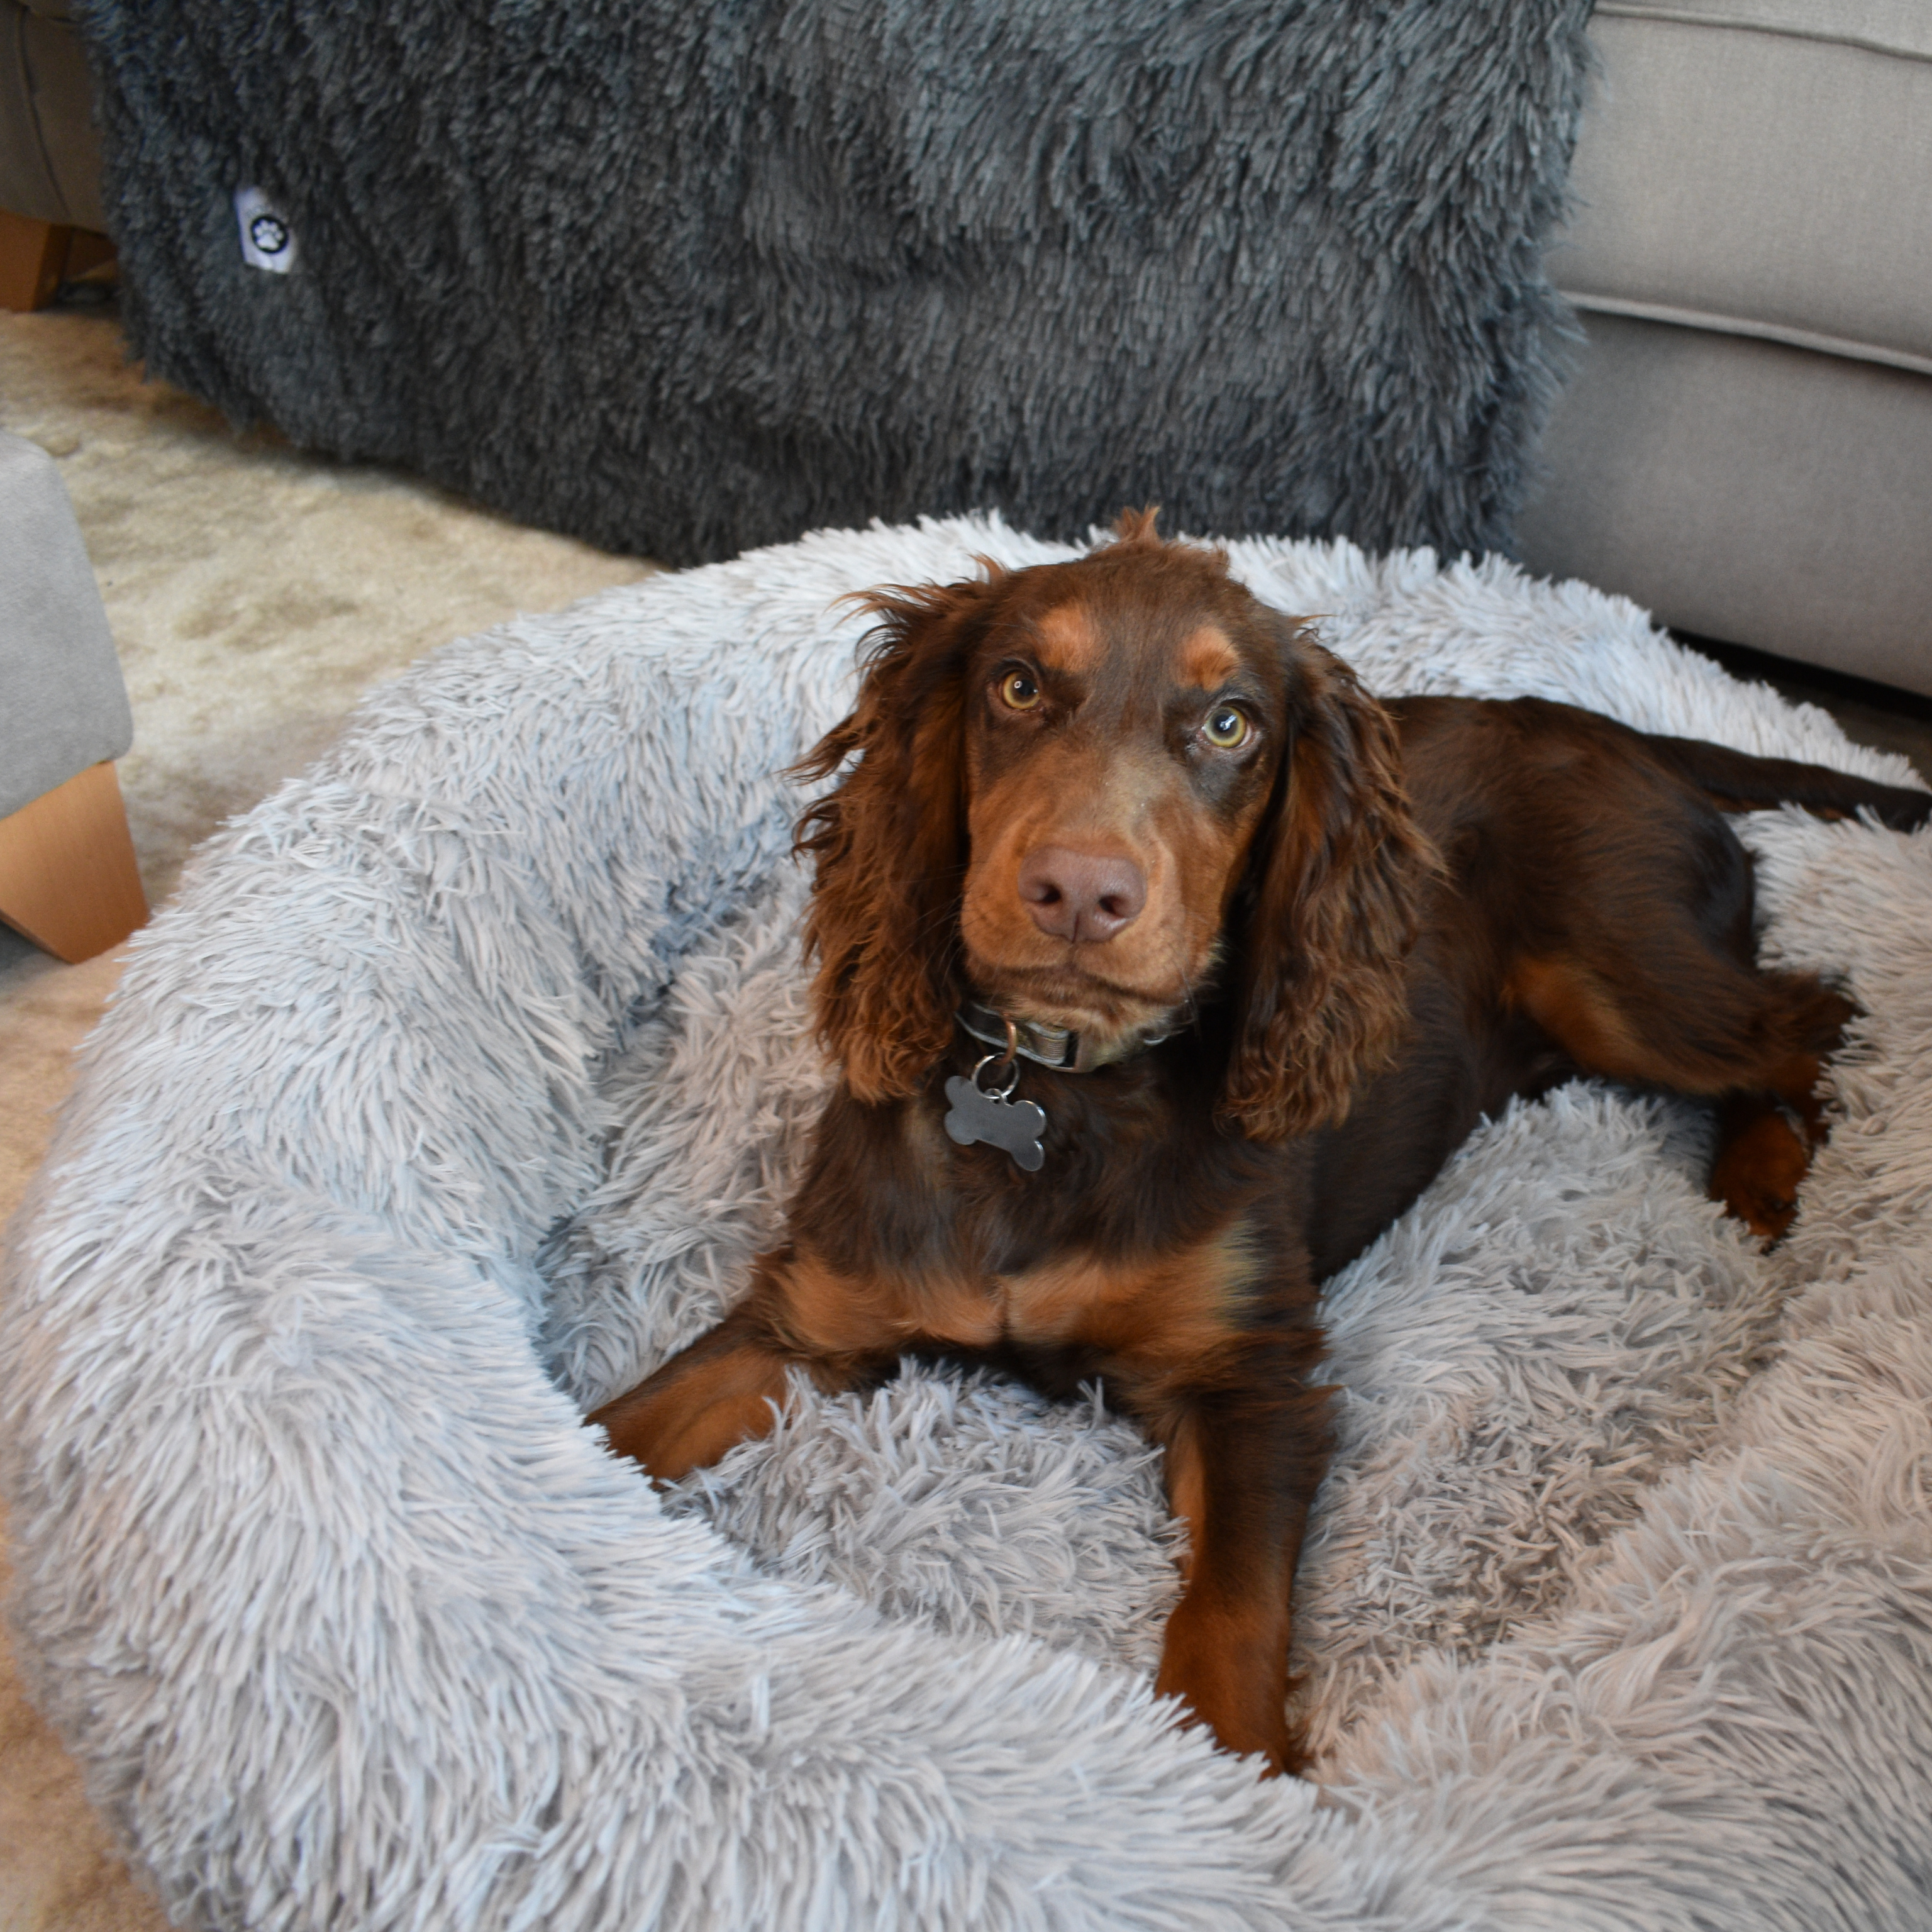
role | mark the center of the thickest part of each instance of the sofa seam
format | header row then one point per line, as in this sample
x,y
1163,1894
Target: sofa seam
x,y
1684,16
1842,347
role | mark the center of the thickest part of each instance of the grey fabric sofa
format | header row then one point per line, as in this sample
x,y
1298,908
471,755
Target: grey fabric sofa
x,y
1746,448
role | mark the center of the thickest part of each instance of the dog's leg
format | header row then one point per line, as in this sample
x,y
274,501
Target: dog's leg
x,y
724,1389
1242,1469
727,1388
1761,1158
1765,1140
1755,1041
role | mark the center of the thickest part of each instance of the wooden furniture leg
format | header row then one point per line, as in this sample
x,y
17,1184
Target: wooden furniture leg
x,y
33,258
68,877
86,249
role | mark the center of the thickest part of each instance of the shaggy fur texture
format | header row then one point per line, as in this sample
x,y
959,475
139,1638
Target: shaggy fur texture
x,y
457,1088
682,279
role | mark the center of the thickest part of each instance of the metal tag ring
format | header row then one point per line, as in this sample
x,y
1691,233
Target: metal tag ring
x,y
1013,1067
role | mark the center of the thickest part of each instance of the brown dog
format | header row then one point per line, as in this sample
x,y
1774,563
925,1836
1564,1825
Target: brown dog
x,y
1165,967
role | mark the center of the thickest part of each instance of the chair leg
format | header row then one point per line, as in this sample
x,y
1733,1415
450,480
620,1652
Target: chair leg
x,y
67,877
33,258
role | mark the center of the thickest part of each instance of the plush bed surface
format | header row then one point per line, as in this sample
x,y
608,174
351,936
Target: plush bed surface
x,y
458,1087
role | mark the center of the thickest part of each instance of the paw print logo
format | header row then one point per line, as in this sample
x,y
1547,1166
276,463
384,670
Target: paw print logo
x,y
267,236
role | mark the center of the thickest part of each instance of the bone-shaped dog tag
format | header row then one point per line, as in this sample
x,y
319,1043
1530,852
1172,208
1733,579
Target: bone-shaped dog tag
x,y
977,1115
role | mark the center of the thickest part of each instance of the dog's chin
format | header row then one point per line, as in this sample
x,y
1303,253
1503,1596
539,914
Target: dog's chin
x,y
1098,1008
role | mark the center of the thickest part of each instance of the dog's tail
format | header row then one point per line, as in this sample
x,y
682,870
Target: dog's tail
x,y
1736,782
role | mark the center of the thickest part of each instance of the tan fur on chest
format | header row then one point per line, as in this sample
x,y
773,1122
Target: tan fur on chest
x,y
1176,1308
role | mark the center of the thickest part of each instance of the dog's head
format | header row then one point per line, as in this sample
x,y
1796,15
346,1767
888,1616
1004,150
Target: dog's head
x,y
1087,794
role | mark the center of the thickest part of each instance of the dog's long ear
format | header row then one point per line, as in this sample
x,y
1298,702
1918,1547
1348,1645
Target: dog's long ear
x,y
1331,903
890,842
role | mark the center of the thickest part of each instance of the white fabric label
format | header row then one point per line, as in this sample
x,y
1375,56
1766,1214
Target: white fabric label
x,y
267,241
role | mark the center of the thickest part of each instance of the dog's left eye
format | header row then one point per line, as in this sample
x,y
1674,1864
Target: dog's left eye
x,y
1226,728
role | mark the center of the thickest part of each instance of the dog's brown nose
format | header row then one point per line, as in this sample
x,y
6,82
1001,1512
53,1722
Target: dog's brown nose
x,y
1085,896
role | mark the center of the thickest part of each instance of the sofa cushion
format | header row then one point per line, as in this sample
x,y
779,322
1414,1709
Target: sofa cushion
x,y
1745,490
1760,167
681,279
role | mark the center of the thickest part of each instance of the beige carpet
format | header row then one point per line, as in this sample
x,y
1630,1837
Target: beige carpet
x,y
254,593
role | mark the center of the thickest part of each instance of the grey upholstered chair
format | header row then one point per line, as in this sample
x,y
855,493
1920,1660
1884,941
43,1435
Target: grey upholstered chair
x,y
68,877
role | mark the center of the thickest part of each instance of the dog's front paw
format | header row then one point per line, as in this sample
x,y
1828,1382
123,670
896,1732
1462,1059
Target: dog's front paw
x,y
1228,1664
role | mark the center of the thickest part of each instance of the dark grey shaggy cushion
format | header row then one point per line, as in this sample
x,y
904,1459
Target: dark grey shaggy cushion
x,y
684,278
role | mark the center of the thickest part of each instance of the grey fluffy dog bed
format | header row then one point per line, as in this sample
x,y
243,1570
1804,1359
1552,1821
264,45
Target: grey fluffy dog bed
x,y
680,276
456,1088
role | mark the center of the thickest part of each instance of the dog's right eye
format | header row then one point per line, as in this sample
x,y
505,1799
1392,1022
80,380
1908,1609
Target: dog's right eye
x,y
1018,691
1227,727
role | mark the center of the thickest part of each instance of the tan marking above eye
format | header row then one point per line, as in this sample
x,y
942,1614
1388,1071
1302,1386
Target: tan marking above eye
x,y
1066,641
1019,690
1207,659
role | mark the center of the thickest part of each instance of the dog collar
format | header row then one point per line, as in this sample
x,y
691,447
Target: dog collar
x,y
975,1113
1060,1047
